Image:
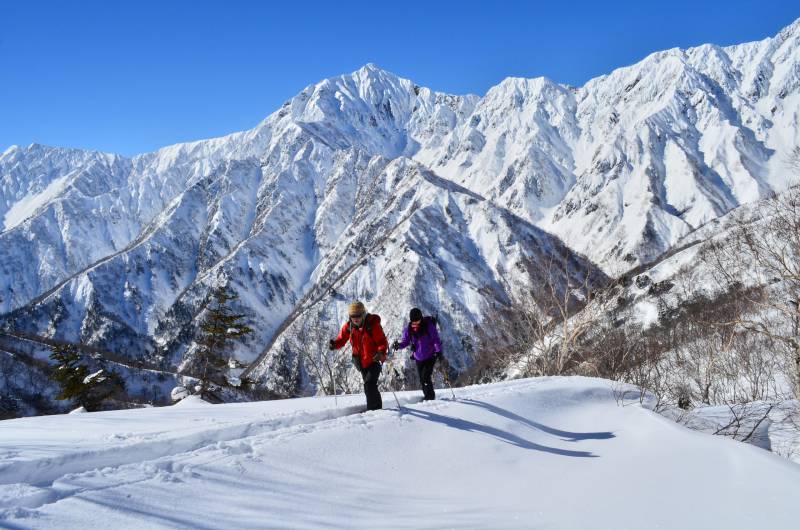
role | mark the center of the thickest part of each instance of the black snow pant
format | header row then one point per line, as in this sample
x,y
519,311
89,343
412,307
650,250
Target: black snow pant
x,y
425,371
370,376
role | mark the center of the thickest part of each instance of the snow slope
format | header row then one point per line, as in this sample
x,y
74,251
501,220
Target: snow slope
x,y
537,453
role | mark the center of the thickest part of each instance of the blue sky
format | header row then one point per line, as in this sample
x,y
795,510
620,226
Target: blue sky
x,y
129,77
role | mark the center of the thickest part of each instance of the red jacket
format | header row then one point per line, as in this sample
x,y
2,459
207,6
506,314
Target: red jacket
x,y
367,340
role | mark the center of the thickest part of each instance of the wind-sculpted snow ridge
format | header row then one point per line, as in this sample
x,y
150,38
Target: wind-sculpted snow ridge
x,y
367,185
508,455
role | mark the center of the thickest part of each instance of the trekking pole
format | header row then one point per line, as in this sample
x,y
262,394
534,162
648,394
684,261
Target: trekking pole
x,y
392,370
333,378
335,395
447,379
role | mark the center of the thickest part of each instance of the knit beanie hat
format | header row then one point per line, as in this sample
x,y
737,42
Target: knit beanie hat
x,y
356,308
415,314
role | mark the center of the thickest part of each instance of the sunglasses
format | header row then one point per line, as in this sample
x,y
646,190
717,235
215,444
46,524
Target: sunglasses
x,y
358,316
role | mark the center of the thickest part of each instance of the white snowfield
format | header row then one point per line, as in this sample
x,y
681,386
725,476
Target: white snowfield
x,y
535,453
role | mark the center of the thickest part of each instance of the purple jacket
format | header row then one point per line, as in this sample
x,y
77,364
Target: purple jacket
x,y
425,343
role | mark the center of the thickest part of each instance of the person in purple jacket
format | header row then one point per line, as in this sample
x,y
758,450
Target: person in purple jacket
x,y
423,337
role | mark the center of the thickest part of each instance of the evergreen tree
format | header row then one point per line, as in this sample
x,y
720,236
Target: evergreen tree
x,y
76,382
69,373
101,387
218,329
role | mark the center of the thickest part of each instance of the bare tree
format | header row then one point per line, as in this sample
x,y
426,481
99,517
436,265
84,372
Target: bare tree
x,y
331,371
762,251
541,329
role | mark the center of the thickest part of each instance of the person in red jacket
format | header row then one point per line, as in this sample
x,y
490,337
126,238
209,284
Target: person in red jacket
x,y
365,334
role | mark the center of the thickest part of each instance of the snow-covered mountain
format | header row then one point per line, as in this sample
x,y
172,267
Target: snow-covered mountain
x,y
367,185
624,166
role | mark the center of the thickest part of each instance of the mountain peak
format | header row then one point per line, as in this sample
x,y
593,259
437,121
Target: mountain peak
x,y
789,31
524,87
10,150
368,78
526,83
371,67
371,73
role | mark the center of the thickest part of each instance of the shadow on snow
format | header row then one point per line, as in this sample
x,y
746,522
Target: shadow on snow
x,y
513,439
567,436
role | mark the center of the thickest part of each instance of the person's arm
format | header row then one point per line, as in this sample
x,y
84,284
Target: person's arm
x,y
437,344
344,336
405,340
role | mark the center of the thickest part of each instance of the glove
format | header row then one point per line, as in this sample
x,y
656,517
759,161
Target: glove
x,y
437,356
412,356
396,345
332,344
377,357
356,362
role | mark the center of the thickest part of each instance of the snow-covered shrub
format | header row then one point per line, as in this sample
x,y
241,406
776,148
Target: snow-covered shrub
x,y
178,393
